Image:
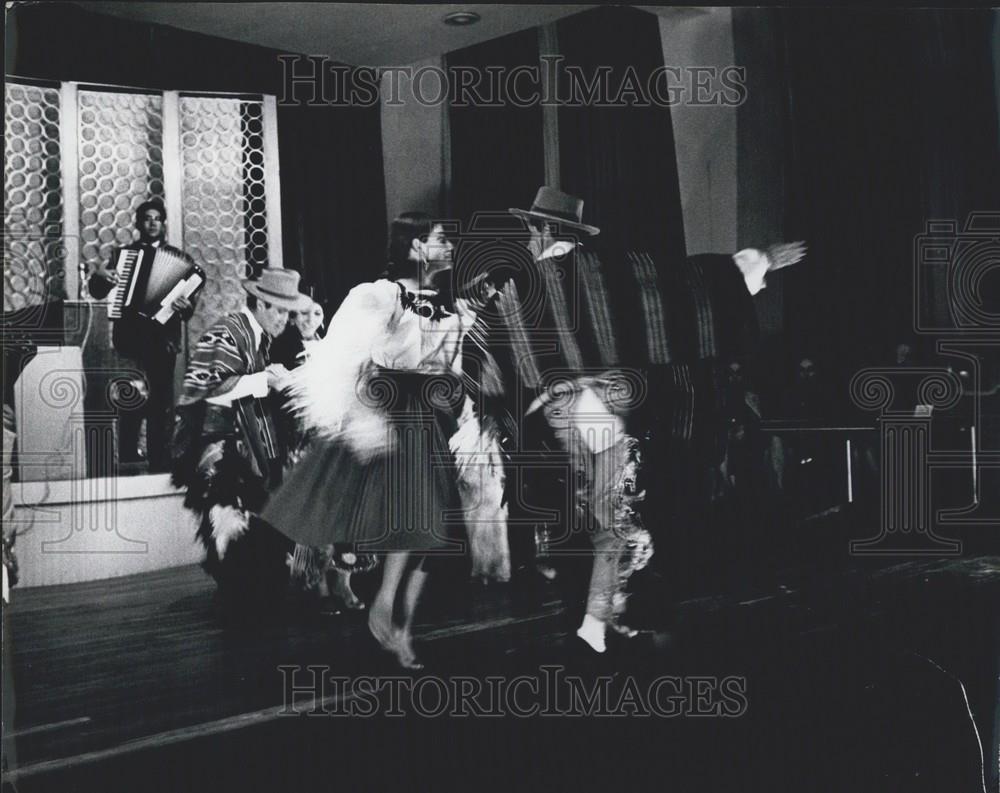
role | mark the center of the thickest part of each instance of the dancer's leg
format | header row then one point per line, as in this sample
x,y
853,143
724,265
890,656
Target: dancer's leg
x,y
380,621
342,588
414,585
411,593
603,586
603,472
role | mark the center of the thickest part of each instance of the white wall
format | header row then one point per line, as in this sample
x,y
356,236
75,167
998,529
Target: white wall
x,y
704,136
414,139
85,530
413,148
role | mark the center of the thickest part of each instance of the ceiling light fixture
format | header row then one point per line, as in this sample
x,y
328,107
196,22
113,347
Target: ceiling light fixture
x,y
462,18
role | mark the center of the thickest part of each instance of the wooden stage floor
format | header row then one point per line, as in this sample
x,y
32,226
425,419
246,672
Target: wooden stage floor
x,y
850,678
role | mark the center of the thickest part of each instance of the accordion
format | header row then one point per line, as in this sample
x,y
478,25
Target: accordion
x,y
150,279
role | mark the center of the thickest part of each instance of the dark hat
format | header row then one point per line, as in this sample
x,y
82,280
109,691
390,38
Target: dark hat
x,y
279,287
552,204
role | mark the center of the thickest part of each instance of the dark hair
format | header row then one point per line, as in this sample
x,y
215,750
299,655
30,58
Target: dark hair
x,y
404,230
153,203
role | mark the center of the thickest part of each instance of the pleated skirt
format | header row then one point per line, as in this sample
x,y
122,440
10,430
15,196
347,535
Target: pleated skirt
x,y
403,499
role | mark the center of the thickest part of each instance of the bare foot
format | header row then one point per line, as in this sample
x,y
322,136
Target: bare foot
x,y
342,589
405,653
380,625
393,640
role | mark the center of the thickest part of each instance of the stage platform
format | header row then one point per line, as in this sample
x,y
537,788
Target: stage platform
x,y
864,675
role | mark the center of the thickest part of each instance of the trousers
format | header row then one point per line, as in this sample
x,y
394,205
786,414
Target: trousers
x,y
597,489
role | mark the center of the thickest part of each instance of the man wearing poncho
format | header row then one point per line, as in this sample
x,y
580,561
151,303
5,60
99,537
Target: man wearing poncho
x,y
596,354
227,450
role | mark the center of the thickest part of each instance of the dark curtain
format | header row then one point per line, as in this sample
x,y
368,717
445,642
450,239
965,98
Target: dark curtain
x,y
620,160
332,197
497,158
891,120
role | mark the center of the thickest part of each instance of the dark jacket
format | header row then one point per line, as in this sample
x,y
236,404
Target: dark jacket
x,y
711,311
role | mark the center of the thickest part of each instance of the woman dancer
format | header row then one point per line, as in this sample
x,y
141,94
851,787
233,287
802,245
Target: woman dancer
x,y
312,565
381,393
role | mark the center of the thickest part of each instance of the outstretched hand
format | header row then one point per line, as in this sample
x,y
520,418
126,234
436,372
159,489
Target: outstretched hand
x,y
785,254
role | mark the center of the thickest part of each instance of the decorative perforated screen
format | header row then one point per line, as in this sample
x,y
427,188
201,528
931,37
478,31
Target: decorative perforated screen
x,y
33,198
115,160
223,191
78,162
121,165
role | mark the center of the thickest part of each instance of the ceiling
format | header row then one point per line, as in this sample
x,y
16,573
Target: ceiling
x,y
363,34
366,34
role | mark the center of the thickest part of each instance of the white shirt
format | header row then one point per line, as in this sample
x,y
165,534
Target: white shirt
x,y
754,264
599,428
559,248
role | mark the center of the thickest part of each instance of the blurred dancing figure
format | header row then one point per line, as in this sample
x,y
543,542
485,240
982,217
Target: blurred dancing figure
x,y
312,566
605,464
588,328
382,394
582,416
228,452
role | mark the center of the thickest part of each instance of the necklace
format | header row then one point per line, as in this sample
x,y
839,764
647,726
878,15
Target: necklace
x,y
424,303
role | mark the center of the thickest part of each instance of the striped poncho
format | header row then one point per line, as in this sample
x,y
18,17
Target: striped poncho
x,y
226,352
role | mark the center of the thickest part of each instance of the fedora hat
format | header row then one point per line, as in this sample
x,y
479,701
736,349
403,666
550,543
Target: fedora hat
x,y
555,205
279,287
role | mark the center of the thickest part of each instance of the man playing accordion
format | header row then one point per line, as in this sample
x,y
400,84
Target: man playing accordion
x,y
150,345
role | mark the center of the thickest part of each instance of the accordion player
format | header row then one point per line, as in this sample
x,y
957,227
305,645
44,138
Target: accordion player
x,y
150,279
142,283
